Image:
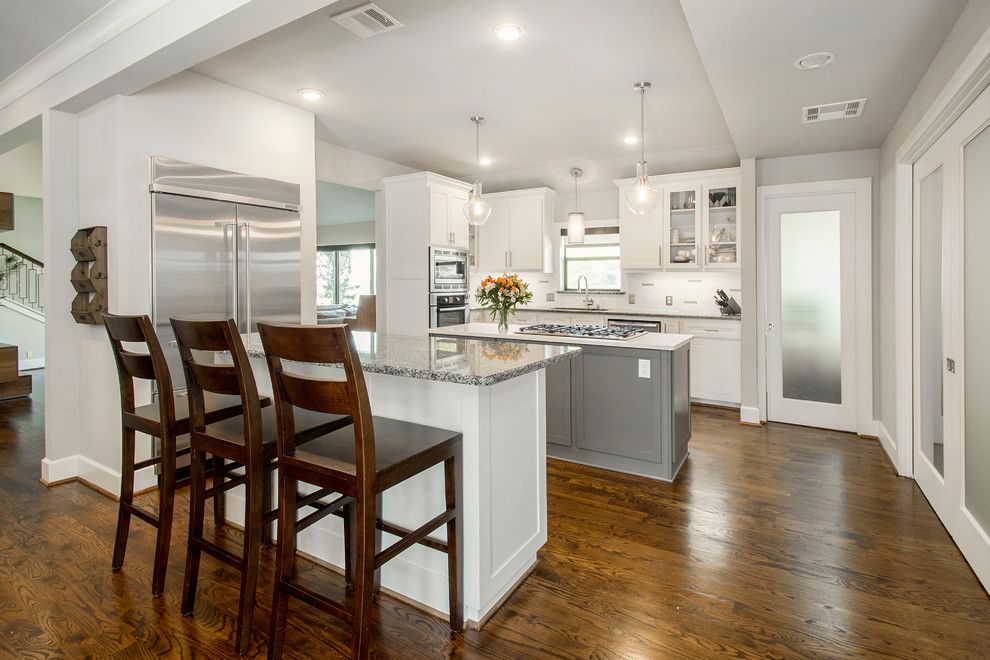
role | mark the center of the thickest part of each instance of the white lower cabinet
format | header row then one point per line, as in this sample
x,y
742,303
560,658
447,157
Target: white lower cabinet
x,y
715,360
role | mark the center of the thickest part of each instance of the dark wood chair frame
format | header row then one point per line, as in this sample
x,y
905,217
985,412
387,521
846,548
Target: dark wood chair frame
x,y
360,492
255,456
159,421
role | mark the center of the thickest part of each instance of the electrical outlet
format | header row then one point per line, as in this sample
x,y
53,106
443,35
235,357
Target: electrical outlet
x,y
29,354
632,298
670,300
550,297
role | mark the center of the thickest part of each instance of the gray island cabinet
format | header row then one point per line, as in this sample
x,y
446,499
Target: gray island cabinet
x,y
620,405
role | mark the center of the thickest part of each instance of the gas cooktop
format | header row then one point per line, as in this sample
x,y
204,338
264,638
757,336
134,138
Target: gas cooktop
x,y
582,331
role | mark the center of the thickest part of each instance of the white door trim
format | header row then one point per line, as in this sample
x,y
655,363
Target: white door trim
x,y
863,191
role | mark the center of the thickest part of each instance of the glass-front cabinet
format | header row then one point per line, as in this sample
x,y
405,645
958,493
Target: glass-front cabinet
x,y
681,226
720,232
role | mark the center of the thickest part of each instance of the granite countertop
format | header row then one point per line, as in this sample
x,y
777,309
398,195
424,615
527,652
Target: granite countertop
x,y
651,341
622,313
460,360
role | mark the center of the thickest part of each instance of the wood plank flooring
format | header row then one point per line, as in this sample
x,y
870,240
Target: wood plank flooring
x,y
776,542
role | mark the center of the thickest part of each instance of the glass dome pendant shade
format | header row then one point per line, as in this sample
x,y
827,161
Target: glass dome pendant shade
x,y
477,210
642,197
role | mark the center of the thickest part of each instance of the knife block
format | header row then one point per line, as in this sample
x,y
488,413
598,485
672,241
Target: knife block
x,y
89,276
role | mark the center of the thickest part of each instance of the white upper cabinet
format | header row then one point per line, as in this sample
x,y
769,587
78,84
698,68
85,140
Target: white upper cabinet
x,y
639,236
517,236
448,224
694,227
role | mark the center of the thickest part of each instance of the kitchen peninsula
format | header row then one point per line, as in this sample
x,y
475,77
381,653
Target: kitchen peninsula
x,y
621,404
494,393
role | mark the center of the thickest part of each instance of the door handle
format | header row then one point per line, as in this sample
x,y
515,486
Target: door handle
x,y
247,276
950,365
770,326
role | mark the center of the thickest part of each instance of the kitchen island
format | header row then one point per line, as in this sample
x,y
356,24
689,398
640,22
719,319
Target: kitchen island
x,y
494,393
622,404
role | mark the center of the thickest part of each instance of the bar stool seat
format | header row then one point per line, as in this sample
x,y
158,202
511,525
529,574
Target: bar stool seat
x,y
221,407
401,449
308,423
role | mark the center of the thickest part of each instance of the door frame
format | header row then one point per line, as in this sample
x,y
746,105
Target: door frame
x,y
863,191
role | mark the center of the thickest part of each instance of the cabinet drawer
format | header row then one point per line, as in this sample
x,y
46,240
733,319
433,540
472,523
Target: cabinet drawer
x,y
712,329
555,317
523,318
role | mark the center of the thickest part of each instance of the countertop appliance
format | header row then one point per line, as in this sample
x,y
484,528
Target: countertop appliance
x,y
449,309
448,269
636,324
617,333
223,244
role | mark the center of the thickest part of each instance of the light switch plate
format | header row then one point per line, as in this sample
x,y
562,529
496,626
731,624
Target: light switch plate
x,y
670,300
549,297
644,368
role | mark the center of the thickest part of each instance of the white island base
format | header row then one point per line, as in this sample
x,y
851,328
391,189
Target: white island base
x,y
505,496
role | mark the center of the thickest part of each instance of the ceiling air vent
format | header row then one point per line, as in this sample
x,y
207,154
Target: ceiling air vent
x,y
829,111
368,20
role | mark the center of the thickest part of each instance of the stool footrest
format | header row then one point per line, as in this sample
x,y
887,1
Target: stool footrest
x,y
146,516
220,553
318,601
323,509
416,536
213,491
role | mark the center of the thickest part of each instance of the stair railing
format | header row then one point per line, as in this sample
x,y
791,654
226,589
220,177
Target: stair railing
x,y
22,278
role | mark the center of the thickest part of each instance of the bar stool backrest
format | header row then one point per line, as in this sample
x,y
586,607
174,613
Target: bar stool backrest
x,y
324,345
231,379
150,365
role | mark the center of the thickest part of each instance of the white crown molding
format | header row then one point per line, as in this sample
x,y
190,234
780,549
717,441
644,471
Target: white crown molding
x,y
110,21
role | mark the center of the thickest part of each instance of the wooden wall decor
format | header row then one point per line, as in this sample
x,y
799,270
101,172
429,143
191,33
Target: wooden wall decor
x,y
6,211
89,275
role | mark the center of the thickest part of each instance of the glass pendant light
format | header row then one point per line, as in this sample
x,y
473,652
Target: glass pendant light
x,y
575,219
642,197
477,209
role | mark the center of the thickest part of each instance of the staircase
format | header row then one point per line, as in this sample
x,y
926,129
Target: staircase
x,y
22,280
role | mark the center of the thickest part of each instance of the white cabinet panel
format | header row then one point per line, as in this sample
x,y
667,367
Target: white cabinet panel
x,y
493,240
555,317
715,370
526,234
457,222
639,237
525,317
439,234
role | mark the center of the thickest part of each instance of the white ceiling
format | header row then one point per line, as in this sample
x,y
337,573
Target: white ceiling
x,y
28,27
882,47
562,93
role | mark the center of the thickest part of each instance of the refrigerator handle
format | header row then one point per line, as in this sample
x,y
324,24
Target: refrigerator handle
x,y
247,276
230,302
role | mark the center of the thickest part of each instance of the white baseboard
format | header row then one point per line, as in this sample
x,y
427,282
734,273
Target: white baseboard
x,y
889,446
59,470
749,415
96,474
31,363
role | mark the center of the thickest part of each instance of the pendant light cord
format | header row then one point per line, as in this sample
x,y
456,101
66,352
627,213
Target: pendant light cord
x,y
642,124
576,206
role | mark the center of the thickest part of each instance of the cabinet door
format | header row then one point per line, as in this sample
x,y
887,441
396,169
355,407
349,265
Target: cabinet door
x,y
439,234
715,370
524,318
493,245
457,223
525,234
555,317
720,235
682,227
639,237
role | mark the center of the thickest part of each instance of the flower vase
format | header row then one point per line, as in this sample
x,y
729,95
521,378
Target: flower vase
x,y
503,321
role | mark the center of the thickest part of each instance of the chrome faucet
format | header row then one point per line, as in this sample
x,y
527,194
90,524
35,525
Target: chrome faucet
x,y
589,302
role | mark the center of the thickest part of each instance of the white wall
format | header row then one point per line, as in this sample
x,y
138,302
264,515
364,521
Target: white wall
x,y
20,170
346,233
353,168
191,118
969,28
27,333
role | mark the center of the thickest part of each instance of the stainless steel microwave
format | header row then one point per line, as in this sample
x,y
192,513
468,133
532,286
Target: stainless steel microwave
x,y
448,269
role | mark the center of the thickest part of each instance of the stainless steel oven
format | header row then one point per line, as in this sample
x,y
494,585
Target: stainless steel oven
x,y
449,309
448,269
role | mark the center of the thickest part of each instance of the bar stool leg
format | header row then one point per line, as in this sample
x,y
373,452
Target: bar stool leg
x,y
219,513
268,478
166,498
126,498
455,536
285,559
253,524
350,532
378,543
197,506
364,574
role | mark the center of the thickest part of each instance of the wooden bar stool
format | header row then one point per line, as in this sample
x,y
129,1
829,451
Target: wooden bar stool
x,y
246,441
360,461
166,420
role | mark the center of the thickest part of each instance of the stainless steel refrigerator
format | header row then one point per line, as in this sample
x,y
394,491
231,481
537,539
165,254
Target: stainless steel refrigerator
x,y
224,245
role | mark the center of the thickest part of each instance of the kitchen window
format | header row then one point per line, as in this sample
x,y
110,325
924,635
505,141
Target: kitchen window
x,y
344,272
597,259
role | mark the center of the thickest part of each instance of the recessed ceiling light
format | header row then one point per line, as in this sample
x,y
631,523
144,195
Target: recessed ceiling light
x,y
815,61
508,31
485,161
311,94
631,139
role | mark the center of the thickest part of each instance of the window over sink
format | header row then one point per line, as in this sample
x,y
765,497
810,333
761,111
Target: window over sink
x,y
597,259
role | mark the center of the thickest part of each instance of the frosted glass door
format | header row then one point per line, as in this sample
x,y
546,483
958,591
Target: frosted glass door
x,y
810,275
929,353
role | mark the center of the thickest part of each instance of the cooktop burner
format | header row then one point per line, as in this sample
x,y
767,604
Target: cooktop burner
x,y
586,331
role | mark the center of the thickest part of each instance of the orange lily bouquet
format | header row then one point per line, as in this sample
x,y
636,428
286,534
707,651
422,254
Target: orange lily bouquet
x,y
501,295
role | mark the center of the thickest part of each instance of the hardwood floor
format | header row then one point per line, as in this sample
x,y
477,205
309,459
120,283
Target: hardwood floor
x,y
774,542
